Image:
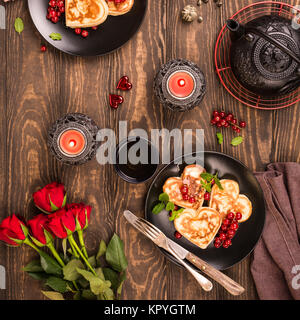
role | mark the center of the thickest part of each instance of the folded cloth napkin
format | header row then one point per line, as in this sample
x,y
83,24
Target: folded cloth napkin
x,y
276,262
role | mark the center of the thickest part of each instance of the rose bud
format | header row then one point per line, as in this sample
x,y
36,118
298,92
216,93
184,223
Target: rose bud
x,y
39,231
50,198
13,231
61,223
81,213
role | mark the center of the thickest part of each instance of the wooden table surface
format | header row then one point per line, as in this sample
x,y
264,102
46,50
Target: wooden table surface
x,y
37,88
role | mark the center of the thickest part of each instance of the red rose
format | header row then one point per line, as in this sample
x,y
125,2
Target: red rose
x,y
51,198
13,231
61,223
39,231
82,213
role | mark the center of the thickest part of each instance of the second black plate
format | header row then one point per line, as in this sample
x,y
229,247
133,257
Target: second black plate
x,y
110,35
248,233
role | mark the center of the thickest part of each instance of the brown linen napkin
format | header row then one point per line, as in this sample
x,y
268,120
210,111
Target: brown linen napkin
x,y
277,255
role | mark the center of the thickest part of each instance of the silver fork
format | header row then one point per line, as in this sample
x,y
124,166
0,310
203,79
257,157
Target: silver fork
x,y
160,240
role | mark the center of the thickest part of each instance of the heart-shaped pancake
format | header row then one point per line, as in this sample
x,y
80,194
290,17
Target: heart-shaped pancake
x,y
117,9
230,200
85,13
191,178
199,226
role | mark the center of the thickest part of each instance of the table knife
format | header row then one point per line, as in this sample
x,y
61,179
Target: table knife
x,y
160,239
230,285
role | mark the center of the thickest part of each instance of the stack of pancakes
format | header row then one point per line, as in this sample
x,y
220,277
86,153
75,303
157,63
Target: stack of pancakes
x,y
200,224
91,13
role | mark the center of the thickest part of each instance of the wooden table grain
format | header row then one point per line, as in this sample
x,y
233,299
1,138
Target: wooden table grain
x,y
37,88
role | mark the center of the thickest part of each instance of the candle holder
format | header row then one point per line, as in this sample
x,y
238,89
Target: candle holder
x,y
72,139
188,91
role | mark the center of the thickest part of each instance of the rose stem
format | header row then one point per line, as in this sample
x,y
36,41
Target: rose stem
x,y
73,249
81,241
71,238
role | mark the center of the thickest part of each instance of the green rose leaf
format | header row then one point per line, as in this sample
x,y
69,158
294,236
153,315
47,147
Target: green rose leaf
x,y
112,276
158,208
19,25
34,266
107,295
49,264
55,36
92,261
70,270
57,284
237,140
52,295
102,250
88,295
115,255
163,197
122,279
38,275
97,285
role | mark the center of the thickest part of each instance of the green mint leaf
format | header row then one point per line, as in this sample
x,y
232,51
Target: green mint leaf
x,y
206,176
115,255
163,197
206,186
237,140
158,208
220,137
55,36
218,183
19,25
170,206
175,214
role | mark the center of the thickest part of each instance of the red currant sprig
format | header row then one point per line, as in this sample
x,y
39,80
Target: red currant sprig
x,y
221,119
55,10
227,230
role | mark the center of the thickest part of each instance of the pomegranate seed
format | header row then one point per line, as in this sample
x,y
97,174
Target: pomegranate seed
x,y
177,235
238,216
206,196
43,48
78,31
230,216
84,33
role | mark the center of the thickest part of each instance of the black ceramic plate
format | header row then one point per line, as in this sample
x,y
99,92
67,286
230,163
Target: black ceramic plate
x,y
249,231
111,35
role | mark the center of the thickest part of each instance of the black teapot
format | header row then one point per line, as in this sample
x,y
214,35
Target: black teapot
x,y
265,55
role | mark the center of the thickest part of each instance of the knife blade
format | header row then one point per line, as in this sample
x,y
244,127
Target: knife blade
x,y
160,239
230,285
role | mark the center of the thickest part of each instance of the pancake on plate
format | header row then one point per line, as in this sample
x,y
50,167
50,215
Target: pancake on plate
x,y
199,226
117,8
230,200
191,178
85,13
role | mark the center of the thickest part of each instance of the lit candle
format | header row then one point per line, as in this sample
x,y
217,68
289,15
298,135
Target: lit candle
x,y
181,84
72,142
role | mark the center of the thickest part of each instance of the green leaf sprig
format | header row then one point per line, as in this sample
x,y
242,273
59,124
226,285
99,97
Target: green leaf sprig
x,y
237,140
165,203
220,137
208,180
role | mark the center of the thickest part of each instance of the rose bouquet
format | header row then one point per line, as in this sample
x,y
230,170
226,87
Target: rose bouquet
x,y
72,273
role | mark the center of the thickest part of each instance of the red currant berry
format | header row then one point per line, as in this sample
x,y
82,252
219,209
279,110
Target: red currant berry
x,y
242,124
95,28
54,19
226,222
84,33
217,239
62,9
230,234
238,216
217,244
43,48
223,122
206,196
237,130
234,121
223,227
60,3
229,117
212,122
218,125
234,226
226,125
217,118
192,200
222,114
230,216
215,113
227,242
222,236
78,31
234,128
185,197
52,3
52,13
184,190
175,207
177,235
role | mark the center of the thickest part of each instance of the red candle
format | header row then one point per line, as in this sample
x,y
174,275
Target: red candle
x,y
72,142
181,84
